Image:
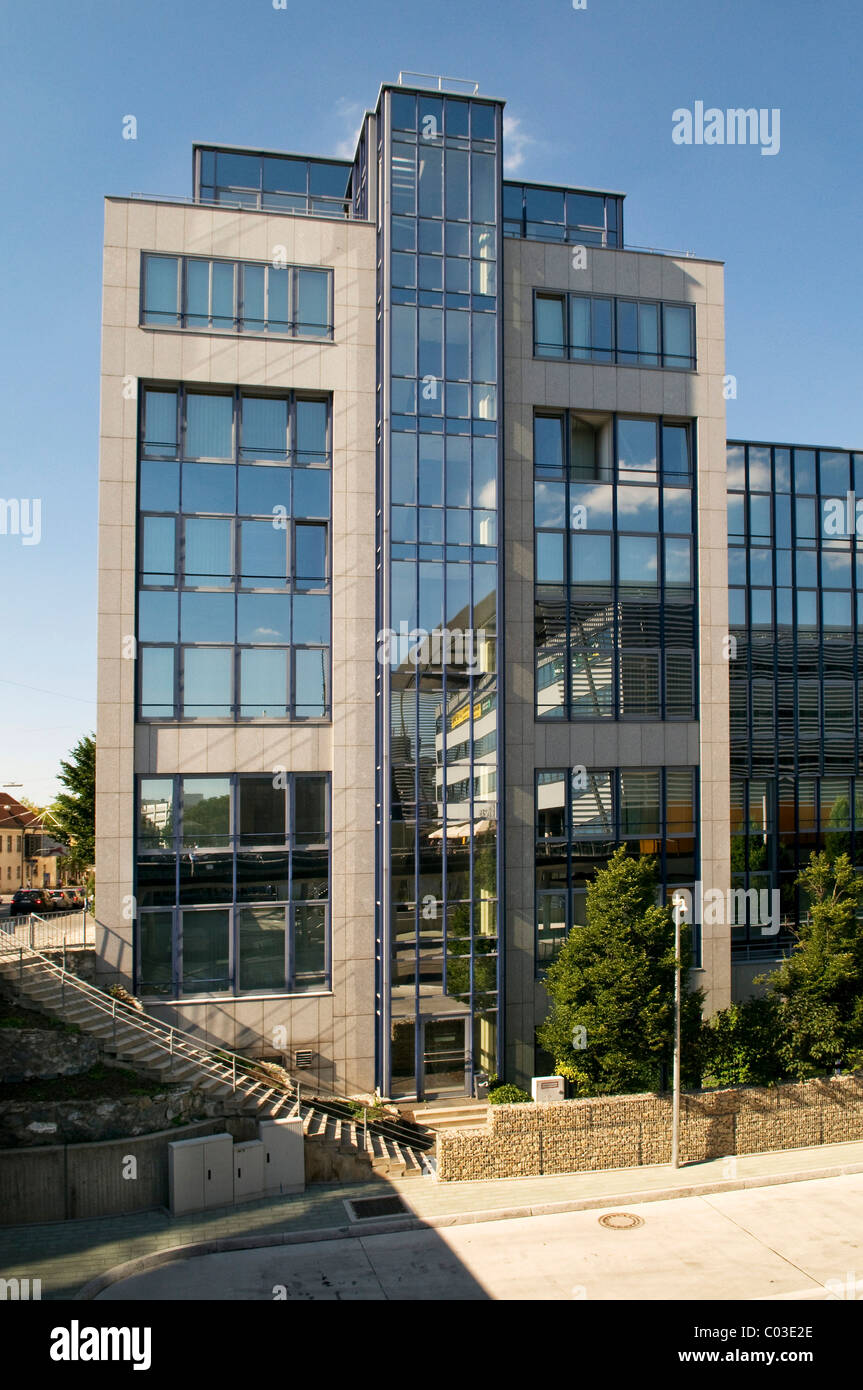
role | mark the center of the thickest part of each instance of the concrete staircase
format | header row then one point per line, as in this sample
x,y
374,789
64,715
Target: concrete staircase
x,y
466,1115
340,1145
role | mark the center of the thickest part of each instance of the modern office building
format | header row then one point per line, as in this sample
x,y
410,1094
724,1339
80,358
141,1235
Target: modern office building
x,y
414,601
795,574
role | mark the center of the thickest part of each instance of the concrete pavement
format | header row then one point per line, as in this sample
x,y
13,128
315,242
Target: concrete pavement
x,y
801,1241
69,1255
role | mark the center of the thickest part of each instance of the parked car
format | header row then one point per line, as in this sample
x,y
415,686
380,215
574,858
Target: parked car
x,y
28,900
75,897
58,900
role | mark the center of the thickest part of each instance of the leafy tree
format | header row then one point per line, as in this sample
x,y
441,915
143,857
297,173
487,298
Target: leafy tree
x,y
819,988
74,810
612,989
740,1045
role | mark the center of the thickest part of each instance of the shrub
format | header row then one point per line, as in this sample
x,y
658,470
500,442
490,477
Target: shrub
x,y
739,1045
507,1095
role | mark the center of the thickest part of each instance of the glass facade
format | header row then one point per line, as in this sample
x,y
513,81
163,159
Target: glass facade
x,y
542,212
272,182
233,884
795,576
439,730
627,332
233,555
615,617
217,296
584,814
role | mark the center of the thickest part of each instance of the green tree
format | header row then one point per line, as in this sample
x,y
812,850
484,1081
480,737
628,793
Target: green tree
x,y
612,989
740,1045
819,988
74,810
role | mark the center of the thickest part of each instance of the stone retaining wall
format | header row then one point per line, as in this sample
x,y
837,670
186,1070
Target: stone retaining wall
x,y
45,1052
574,1136
29,1123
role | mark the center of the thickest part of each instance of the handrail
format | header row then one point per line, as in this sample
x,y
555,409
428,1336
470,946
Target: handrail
x,y
219,1062
439,81
162,1034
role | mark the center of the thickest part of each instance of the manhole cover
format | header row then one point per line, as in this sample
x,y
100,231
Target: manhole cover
x,y
366,1208
621,1221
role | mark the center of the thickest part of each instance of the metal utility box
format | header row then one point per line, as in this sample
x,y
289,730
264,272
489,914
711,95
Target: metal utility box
x,y
284,1155
248,1170
199,1173
545,1089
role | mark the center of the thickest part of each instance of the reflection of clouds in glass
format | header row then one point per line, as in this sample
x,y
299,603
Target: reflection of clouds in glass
x,y
636,501
262,633
735,468
759,476
488,495
550,506
837,562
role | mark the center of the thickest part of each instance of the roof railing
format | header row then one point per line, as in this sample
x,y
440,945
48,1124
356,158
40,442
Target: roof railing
x,y
436,82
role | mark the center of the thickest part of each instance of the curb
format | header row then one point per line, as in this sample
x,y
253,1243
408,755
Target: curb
x,y
143,1264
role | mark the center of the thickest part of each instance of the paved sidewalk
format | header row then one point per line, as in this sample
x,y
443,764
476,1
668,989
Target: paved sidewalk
x,y
67,1255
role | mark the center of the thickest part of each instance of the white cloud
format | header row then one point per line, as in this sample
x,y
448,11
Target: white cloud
x,y
515,144
350,114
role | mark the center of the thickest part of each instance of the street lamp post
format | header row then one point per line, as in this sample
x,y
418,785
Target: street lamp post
x,y
679,909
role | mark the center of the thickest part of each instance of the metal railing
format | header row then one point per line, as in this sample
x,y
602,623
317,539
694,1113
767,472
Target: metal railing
x,y
59,929
435,82
217,1062
342,207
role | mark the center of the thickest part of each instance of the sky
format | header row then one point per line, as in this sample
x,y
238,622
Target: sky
x,y
590,96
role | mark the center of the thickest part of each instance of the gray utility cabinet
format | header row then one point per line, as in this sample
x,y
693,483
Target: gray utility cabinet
x,y
199,1173
215,1172
284,1156
248,1170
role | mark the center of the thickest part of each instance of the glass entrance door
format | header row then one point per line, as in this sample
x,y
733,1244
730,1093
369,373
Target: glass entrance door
x,y
444,1058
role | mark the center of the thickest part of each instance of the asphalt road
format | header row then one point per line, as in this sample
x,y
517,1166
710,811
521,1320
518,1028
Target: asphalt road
x,y
803,1240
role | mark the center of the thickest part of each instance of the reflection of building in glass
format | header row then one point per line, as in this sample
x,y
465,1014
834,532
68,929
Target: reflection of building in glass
x,y
419,519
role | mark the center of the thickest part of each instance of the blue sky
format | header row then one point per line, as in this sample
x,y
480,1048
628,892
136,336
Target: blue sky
x,y
590,96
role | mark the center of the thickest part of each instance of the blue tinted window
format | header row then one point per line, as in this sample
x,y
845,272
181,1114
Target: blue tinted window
x,y
311,619
159,486
263,553
157,616
261,490
158,550
264,428
157,682
209,426
209,551
264,619
207,617
311,492
310,682
208,487
207,682
160,289
263,684
160,424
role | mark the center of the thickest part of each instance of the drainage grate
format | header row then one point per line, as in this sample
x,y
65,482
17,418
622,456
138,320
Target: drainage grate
x,y
366,1208
621,1221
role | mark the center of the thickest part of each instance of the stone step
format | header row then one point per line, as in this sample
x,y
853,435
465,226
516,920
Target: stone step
x,y
452,1116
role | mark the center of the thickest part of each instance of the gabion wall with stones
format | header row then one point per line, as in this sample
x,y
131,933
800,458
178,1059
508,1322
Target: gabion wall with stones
x,y
574,1136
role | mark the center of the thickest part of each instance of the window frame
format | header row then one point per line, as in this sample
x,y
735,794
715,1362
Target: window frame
x,y
292,269
614,355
